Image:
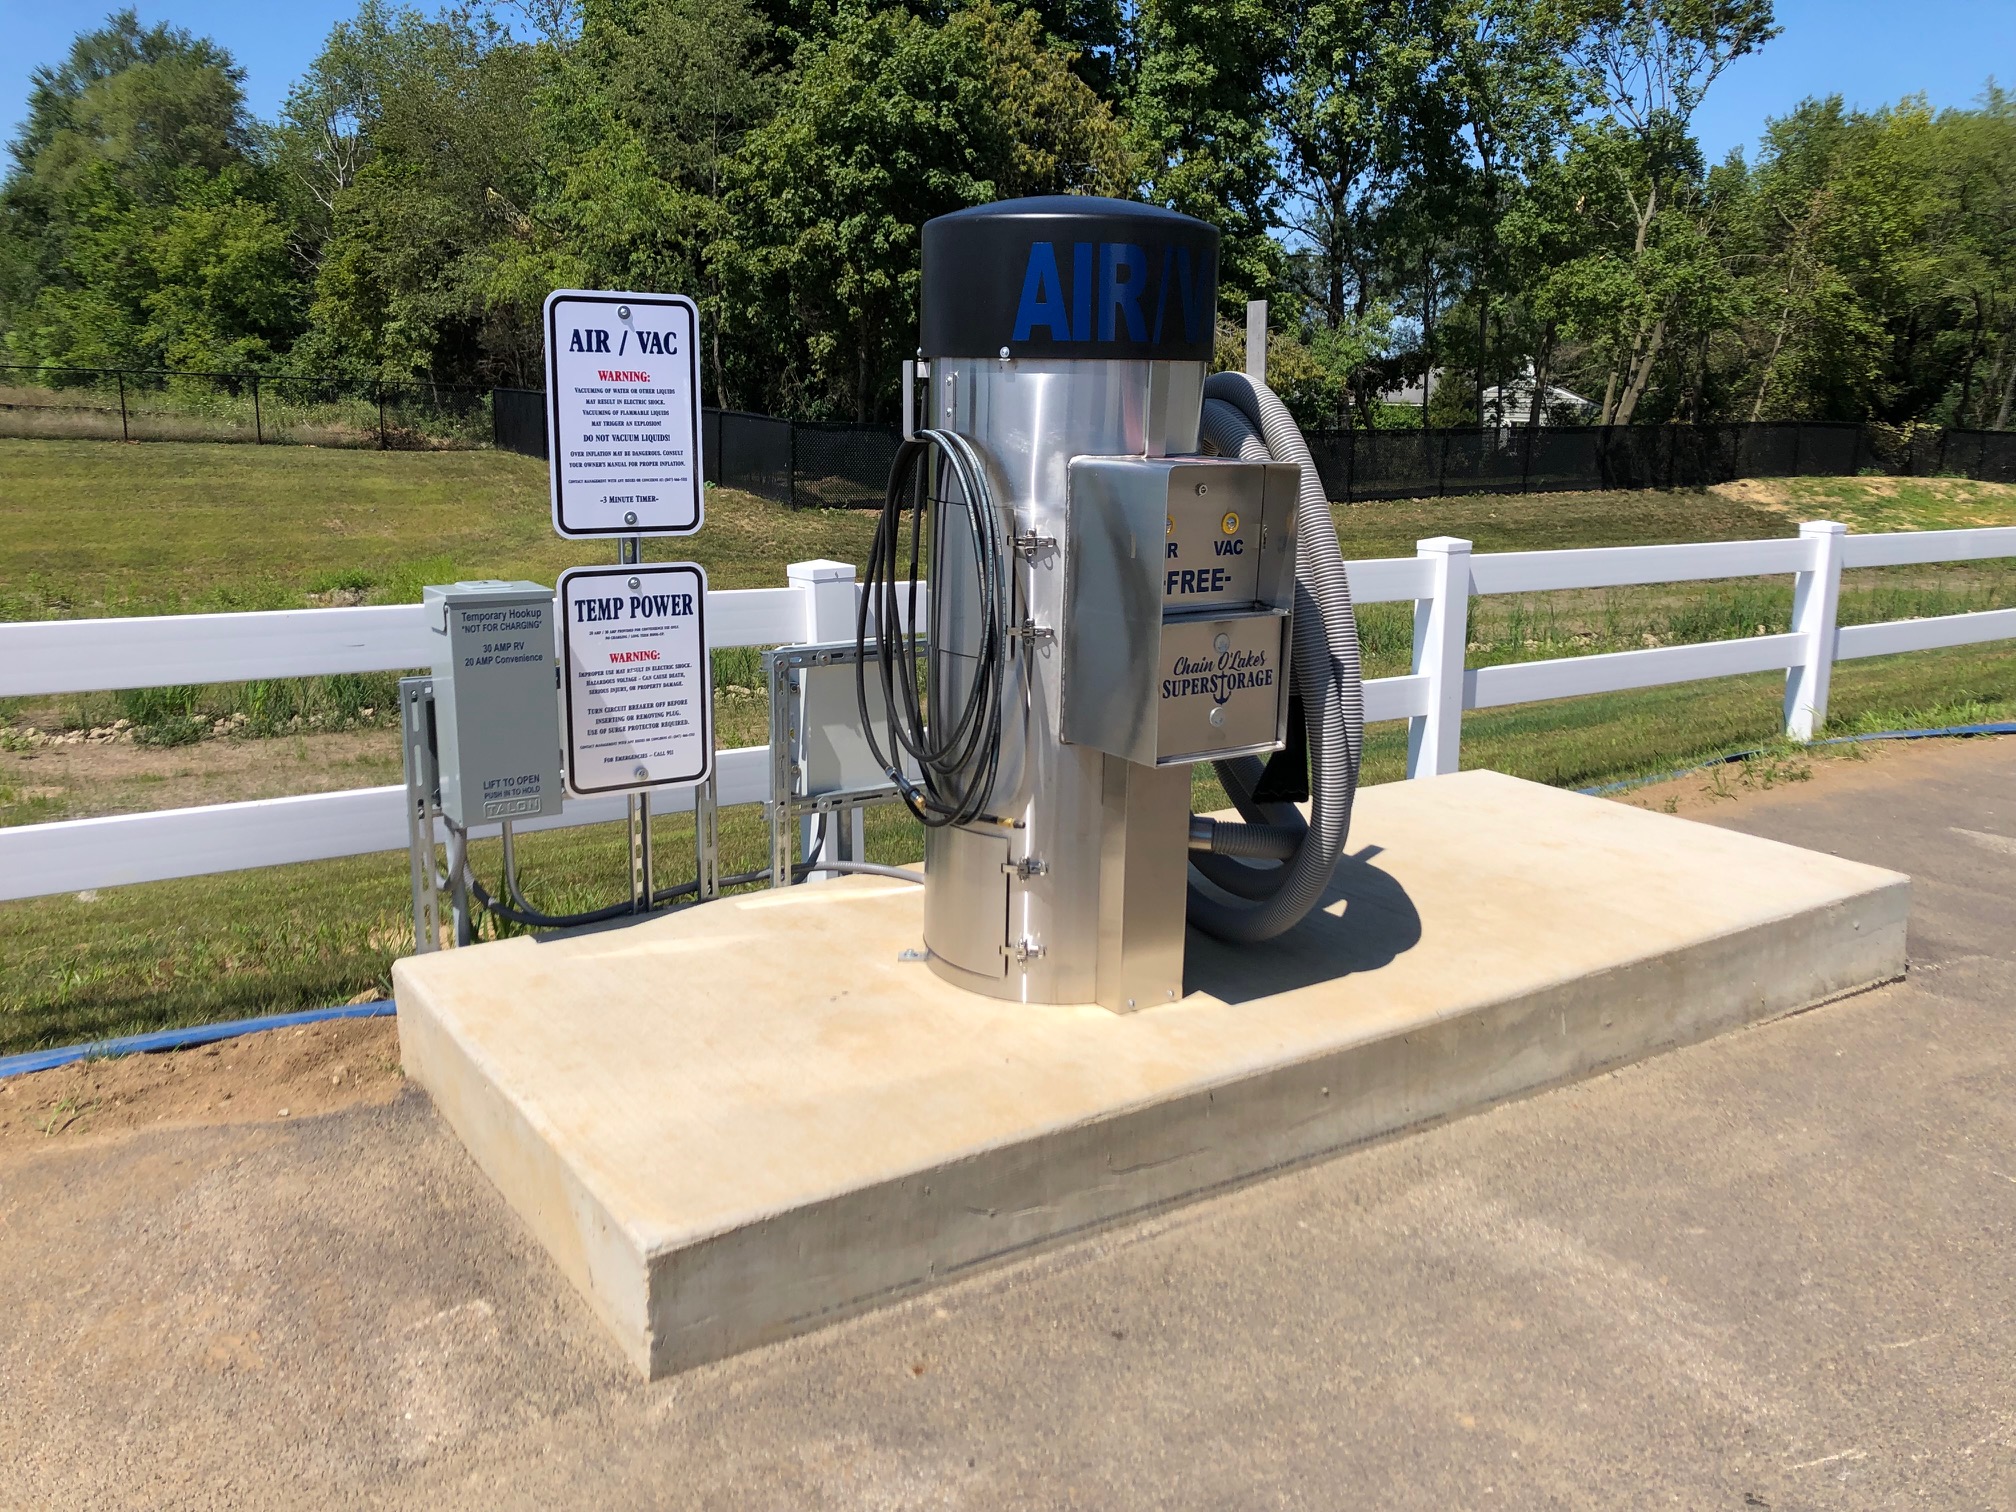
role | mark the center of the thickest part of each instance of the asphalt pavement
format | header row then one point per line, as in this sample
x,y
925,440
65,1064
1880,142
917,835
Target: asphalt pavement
x,y
1774,1270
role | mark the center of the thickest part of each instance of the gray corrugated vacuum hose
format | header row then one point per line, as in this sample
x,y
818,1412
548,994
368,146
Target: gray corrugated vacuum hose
x,y
1242,903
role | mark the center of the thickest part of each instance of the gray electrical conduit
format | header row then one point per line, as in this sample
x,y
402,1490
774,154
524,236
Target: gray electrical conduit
x,y
1237,902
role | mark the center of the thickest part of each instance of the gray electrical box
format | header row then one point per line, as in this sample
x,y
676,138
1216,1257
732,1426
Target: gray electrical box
x,y
496,708
1179,582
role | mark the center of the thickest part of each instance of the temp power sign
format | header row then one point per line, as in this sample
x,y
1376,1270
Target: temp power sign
x,y
639,694
623,413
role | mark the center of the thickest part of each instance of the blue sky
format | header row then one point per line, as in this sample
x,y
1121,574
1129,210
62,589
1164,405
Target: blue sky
x,y
1872,51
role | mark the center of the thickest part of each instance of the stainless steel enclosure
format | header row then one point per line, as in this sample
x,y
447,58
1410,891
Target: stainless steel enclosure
x,y
1073,888
1014,910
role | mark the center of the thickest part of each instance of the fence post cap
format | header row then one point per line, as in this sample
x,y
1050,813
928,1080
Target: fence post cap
x,y
1822,527
1442,546
820,571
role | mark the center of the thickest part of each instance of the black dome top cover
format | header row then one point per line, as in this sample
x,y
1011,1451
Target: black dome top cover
x,y
1070,276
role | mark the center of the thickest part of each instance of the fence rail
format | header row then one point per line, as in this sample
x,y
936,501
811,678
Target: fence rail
x,y
79,656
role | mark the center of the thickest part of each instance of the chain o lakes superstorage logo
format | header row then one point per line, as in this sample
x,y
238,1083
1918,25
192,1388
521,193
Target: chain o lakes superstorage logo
x,y
1232,672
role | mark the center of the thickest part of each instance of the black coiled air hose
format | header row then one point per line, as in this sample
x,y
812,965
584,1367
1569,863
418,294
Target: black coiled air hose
x,y
956,744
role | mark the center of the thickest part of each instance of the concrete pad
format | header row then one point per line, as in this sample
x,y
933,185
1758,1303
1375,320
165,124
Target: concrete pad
x,y
742,1121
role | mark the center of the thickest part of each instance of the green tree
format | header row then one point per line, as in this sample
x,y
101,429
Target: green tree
x,y
1199,75
1653,265
883,124
411,148
138,225
637,129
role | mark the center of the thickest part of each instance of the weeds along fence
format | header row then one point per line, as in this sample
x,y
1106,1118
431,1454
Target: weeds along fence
x,y
55,403
829,464
818,603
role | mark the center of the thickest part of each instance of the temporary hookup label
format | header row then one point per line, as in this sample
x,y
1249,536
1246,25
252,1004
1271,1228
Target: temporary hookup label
x,y
623,413
640,697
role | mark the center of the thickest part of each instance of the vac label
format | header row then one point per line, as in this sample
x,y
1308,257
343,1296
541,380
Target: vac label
x,y
623,413
638,687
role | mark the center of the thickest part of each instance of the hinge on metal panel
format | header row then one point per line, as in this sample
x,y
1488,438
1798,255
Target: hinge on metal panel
x,y
1026,868
1033,545
1023,951
1032,634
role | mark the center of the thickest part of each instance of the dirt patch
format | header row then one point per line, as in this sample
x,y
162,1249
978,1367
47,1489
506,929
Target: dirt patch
x,y
83,781
1778,494
1796,777
1878,503
281,1073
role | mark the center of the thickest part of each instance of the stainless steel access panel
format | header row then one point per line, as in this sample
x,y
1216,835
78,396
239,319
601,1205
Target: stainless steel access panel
x,y
496,713
1179,583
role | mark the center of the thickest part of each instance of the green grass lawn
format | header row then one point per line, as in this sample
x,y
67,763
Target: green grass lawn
x,y
96,528
91,528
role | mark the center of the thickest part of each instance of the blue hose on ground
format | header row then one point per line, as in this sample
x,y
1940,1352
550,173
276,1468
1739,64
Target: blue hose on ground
x,y
183,1039
1943,732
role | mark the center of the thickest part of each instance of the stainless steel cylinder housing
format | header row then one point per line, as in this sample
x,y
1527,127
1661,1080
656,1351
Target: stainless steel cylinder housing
x,y
1055,331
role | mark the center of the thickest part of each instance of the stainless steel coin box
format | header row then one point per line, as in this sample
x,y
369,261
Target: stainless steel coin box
x,y
1179,580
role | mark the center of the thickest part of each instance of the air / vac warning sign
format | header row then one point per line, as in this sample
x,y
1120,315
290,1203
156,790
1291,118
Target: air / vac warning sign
x,y
639,693
623,413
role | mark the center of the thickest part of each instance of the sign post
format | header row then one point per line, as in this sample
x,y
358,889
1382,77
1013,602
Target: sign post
x,y
623,413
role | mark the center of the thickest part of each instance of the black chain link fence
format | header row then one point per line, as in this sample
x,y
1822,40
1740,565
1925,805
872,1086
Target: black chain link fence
x,y
106,404
826,464
803,463
1381,464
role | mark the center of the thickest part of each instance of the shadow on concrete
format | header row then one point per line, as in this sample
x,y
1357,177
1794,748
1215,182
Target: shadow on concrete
x,y
1365,920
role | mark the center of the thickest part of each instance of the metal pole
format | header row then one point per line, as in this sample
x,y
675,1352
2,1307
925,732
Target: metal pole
x,y
414,697
909,397
629,552
640,853
258,426
791,442
124,433
707,838
458,882
381,417
1256,340
1526,459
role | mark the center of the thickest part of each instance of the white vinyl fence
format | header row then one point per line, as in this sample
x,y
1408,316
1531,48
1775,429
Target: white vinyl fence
x,y
77,656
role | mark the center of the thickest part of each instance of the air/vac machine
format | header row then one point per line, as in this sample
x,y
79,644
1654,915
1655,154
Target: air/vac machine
x,y
1097,567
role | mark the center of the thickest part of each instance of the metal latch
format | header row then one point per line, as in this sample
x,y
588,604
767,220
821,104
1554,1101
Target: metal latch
x,y
1023,951
1033,545
1026,868
1032,634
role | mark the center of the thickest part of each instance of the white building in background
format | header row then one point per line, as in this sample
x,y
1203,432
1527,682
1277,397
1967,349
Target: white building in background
x,y
1516,399
1562,407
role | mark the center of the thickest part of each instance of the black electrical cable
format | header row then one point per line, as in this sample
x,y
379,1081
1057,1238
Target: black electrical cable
x,y
955,743
533,918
